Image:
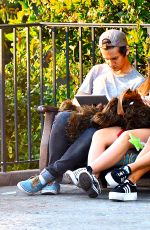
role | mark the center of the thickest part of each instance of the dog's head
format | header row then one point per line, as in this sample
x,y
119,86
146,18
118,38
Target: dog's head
x,y
114,112
126,99
108,117
136,114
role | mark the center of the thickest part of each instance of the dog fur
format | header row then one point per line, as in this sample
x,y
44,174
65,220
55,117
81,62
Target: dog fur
x,y
136,115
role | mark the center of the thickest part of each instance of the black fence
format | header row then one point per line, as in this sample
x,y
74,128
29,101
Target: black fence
x,y
44,63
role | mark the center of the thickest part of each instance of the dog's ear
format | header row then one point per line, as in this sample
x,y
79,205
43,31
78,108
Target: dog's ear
x,y
120,110
132,95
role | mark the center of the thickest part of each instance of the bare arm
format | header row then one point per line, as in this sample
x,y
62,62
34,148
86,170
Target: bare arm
x,y
146,100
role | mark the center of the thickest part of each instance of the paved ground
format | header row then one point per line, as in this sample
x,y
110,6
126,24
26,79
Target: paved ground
x,y
71,210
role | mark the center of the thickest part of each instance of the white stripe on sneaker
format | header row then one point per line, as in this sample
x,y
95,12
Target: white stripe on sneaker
x,y
122,196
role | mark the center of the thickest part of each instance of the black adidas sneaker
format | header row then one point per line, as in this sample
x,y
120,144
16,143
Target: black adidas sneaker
x,y
117,176
124,192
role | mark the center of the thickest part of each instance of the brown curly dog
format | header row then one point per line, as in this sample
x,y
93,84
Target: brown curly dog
x,y
128,111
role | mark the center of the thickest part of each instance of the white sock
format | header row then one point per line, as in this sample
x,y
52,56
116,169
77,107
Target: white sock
x,y
43,182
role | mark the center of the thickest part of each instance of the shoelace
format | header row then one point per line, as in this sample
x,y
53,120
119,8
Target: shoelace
x,y
49,183
122,175
95,181
76,173
35,181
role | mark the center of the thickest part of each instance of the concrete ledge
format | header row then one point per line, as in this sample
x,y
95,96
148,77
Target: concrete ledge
x,y
13,177
144,182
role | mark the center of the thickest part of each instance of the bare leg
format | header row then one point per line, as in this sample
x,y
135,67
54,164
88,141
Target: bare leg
x,y
134,177
142,163
100,141
114,153
145,150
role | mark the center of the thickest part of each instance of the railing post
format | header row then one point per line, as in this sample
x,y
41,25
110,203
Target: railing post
x,y
2,102
15,95
93,46
41,76
28,94
148,33
41,65
135,56
54,63
67,63
80,55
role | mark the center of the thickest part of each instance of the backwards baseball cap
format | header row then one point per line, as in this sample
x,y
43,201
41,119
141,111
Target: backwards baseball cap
x,y
116,38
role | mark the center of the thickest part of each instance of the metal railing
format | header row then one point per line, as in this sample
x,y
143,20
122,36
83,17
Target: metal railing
x,y
11,155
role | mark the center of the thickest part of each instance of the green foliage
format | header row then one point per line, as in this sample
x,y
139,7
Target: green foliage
x,y
124,11
30,11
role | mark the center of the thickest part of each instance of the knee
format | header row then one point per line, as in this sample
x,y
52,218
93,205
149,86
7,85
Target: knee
x,y
102,133
62,116
107,133
126,134
98,133
124,138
